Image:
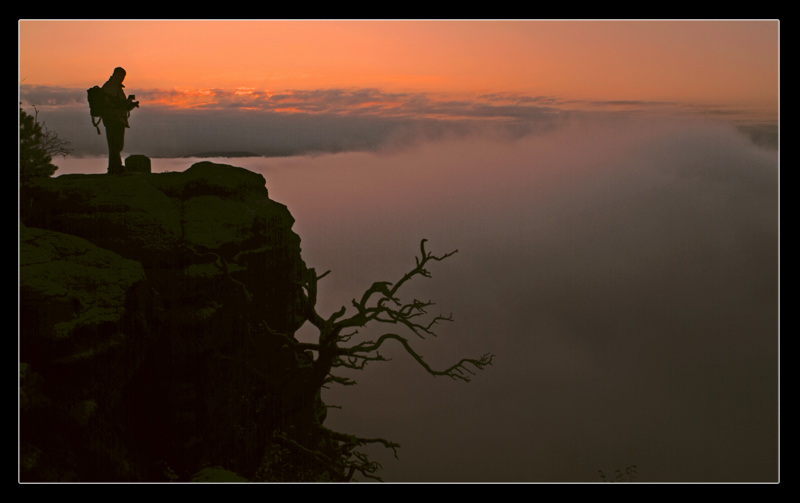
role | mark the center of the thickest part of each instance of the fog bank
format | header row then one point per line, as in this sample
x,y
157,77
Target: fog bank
x,y
623,272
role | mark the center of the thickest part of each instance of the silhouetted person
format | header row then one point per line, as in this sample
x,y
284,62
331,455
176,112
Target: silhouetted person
x,y
118,109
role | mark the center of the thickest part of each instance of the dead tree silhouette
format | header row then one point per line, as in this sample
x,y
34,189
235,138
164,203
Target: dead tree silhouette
x,y
379,304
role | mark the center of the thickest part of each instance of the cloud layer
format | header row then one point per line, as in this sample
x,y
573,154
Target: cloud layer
x,y
183,122
624,273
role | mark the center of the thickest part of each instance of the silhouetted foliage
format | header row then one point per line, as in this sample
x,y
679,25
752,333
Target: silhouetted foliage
x,y
37,146
379,304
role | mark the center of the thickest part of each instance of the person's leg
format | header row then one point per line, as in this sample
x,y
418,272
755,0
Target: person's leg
x,y
115,134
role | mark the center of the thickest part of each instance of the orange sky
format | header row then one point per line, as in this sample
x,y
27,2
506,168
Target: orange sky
x,y
689,61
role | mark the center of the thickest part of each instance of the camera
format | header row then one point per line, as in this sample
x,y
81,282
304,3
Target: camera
x,y
132,104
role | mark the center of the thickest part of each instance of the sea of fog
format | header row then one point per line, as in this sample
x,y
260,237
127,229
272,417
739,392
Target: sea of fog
x,y
623,271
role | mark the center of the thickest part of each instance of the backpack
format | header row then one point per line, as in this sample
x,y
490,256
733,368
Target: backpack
x,y
97,105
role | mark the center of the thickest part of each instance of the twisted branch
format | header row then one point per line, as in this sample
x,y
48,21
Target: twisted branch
x,y
379,303
457,371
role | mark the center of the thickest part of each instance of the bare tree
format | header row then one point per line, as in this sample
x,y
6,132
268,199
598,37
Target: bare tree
x,y
379,304
50,142
37,146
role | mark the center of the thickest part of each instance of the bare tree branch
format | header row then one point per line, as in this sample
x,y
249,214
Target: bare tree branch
x,y
381,304
353,441
457,371
50,142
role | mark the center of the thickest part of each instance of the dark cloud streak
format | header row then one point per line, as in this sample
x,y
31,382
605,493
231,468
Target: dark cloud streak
x,y
326,120
52,96
358,101
160,132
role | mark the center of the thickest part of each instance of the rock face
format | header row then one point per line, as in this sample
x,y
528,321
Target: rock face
x,y
154,312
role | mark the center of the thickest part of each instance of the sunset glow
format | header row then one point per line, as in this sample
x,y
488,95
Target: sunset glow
x,y
724,62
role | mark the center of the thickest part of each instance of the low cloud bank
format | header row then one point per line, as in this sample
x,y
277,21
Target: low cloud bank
x,y
623,271
179,123
171,133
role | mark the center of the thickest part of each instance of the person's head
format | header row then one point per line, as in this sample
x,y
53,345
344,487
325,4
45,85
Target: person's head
x,y
119,74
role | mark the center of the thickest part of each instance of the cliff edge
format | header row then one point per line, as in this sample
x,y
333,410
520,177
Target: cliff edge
x,y
154,316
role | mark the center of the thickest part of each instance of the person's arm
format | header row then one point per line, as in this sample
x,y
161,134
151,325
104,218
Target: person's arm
x,y
114,98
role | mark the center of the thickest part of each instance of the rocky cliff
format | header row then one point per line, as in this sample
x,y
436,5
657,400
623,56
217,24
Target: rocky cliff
x,y
155,311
